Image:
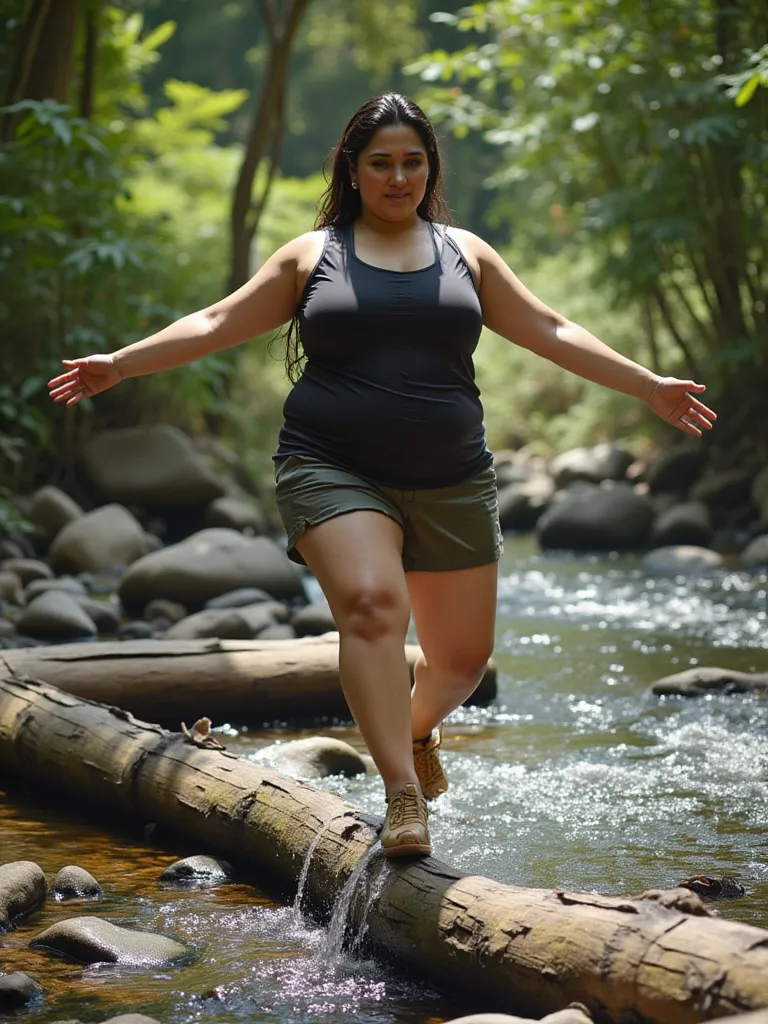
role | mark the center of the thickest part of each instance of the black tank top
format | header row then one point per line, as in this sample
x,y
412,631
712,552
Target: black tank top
x,y
388,389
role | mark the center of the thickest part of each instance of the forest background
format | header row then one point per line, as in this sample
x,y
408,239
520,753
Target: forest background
x,y
155,152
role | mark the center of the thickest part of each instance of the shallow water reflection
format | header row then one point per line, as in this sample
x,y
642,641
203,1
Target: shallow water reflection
x,y
576,777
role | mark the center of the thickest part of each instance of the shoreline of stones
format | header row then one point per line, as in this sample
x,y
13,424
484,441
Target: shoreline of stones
x,y
88,939
161,544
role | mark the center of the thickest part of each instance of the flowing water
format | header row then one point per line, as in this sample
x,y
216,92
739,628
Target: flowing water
x,y
576,777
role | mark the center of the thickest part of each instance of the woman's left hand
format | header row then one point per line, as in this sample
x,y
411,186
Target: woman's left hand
x,y
672,400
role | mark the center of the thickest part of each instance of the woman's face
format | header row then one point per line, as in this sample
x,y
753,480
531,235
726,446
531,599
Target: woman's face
x,y
392,172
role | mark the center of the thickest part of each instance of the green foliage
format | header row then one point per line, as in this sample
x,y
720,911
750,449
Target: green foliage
x,y
743,85
620,139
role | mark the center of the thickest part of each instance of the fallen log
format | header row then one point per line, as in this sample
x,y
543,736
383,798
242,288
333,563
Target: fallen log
x,y
526,951
239,681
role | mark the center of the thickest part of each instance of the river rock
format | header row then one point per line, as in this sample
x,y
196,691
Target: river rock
x,y
91,940
207,564
314,758
73,882
682,558
699,681
280,631
138,630
28,569
168,611
242,514
676,469
239,598
314,620
105,614
56,616
18,989
609,517
606,461
22,890
229,623
687,523
727,490
51,509
108,536
66,584
155,467
198,868
522,504
11,588
755,555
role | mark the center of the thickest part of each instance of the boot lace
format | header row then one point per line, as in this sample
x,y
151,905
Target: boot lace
x,y
407,808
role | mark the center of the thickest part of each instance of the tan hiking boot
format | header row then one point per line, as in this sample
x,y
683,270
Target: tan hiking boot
x,y
426,761
405,832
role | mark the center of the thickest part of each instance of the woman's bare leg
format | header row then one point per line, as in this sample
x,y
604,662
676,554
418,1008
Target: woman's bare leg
x,y
455,617
357,560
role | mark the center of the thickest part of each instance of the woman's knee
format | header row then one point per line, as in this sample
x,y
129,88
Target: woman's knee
x,y
462,669
371,612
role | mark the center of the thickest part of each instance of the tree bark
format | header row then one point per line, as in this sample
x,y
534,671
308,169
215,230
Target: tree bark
x,y
241,681
266,122
525,949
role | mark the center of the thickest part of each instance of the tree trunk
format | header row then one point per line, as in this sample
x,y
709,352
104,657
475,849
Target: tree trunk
x,y
524,949
90,55
282,32
241,681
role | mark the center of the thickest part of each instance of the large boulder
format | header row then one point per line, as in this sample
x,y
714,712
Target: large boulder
x,y
91,940
22,890
207,564
727,490
610,517
51,510
314,620
522,504
106,537
689,522
606,461
676,469
154,467
55,615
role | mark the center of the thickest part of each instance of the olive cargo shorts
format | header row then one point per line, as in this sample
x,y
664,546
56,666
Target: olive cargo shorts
x,y
444,528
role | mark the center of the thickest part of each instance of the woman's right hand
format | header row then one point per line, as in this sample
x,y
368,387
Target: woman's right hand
x,y
85,378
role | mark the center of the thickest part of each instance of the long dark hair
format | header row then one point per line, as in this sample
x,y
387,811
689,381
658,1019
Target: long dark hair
x,y
340,204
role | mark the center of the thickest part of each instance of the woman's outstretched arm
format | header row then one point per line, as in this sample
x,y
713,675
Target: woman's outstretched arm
x,y
261,305
512,311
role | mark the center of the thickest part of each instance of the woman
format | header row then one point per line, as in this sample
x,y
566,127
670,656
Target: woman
x,y
384,481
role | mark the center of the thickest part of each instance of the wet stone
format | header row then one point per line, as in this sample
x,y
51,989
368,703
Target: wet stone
x,y
17,990
198,868
73,882
91,940
22,890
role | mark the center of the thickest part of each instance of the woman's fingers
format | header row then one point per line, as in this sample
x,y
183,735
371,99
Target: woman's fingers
x,y
63,378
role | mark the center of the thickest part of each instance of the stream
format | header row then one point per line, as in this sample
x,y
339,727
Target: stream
x,y
576,777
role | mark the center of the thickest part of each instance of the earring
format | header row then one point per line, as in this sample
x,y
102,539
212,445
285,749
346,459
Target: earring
x,y
355,185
